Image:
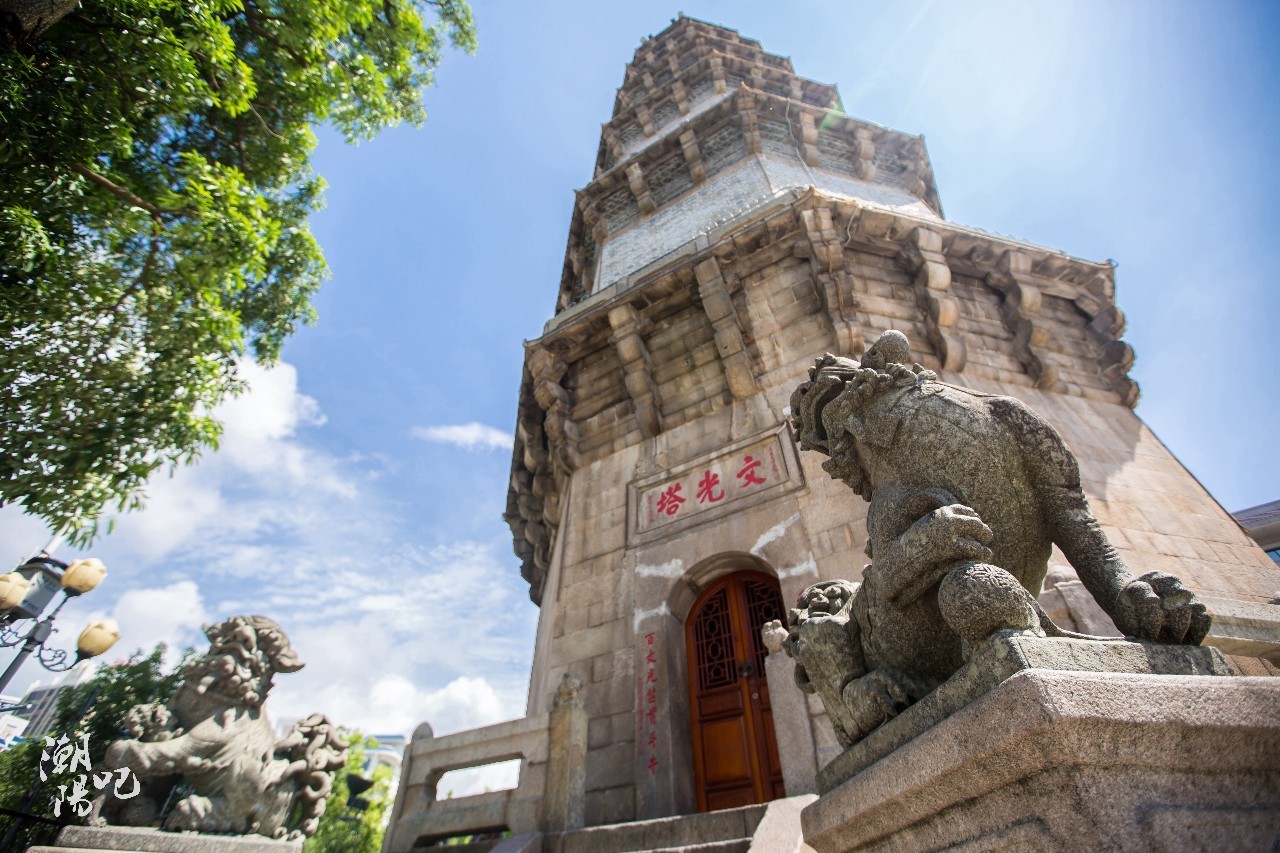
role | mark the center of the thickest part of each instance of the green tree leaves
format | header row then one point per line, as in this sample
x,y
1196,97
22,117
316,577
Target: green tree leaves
x,y
97,708
154,193
344,830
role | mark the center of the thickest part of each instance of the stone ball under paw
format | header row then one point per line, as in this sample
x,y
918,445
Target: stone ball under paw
x,y
978,599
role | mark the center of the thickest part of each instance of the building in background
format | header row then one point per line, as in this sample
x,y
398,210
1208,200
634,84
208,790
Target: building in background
x,y
44,699
12,724
1263,524
738,225
389,751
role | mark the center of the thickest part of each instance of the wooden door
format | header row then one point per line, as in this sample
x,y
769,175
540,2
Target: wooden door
x,y
735,751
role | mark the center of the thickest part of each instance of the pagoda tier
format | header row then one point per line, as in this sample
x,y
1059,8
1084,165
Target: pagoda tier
x,y
739,224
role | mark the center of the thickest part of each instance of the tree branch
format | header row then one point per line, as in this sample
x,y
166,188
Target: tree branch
x,y
252,16
140,283
125,195
263,122
239,138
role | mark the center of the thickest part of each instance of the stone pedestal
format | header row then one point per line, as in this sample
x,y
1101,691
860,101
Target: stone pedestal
x,y
130,839
1001,657
1056,760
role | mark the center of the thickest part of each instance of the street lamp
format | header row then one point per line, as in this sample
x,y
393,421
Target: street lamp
x,y
24,594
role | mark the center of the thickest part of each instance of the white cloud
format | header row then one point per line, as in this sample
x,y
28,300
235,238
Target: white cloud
x,y
261,452
21,536
173,615
472,436
393,631
389,703
478,780
376,634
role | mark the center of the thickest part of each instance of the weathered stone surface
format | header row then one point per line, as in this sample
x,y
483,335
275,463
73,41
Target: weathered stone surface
x,y
144,840
417,816
780,829
1002,657
663,833
969,493
215,736
528,842
1246,628
1075,761
566,758
795,741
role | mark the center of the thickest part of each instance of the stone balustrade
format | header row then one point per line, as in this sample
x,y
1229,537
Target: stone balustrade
x,y
551,748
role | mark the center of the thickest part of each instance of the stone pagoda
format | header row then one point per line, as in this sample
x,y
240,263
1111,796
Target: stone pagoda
x,y
738,225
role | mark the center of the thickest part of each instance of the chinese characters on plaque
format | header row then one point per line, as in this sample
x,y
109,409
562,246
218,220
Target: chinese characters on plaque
x,y
719,481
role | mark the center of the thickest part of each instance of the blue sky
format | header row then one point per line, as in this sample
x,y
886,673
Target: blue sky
x,y
350,503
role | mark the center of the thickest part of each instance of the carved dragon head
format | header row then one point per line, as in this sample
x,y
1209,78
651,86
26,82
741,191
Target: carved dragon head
x,y
245,652
826,410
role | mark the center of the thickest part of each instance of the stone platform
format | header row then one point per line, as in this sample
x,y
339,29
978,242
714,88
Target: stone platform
x,y
999,659
129,839
1061,760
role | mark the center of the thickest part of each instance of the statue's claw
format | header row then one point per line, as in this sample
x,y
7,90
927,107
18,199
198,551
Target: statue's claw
x,y
1158,607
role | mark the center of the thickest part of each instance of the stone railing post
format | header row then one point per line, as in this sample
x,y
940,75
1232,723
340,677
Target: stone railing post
x,y
791,722
566,759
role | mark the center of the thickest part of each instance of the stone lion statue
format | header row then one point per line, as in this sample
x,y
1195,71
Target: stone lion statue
x,y
214,736
969,493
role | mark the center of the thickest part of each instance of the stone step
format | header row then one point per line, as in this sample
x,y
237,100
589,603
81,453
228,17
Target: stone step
x,y
737,845
44,849
683,832
129,839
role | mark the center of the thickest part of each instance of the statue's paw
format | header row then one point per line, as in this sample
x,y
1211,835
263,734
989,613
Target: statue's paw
x,y
949,534
874,699
887,692
775,635
1158,607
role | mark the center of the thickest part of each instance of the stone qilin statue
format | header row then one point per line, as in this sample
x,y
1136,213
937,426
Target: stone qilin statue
x,y
969,492
214,736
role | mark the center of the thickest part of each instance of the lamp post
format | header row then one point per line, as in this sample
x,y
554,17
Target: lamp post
x,y
24,594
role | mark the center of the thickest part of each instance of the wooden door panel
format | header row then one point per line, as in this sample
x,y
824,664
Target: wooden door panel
x,y
731,798
720,703
735,747
727,745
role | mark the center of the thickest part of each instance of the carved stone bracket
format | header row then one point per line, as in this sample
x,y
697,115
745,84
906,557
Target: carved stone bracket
x,y
614,141
591,218
809,139
681,95
1106,324
1021,302
646,120
727,328
922,255
717,75
835,288
638,368
746,104
640,188
693,156
865,149
917,170
547,369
